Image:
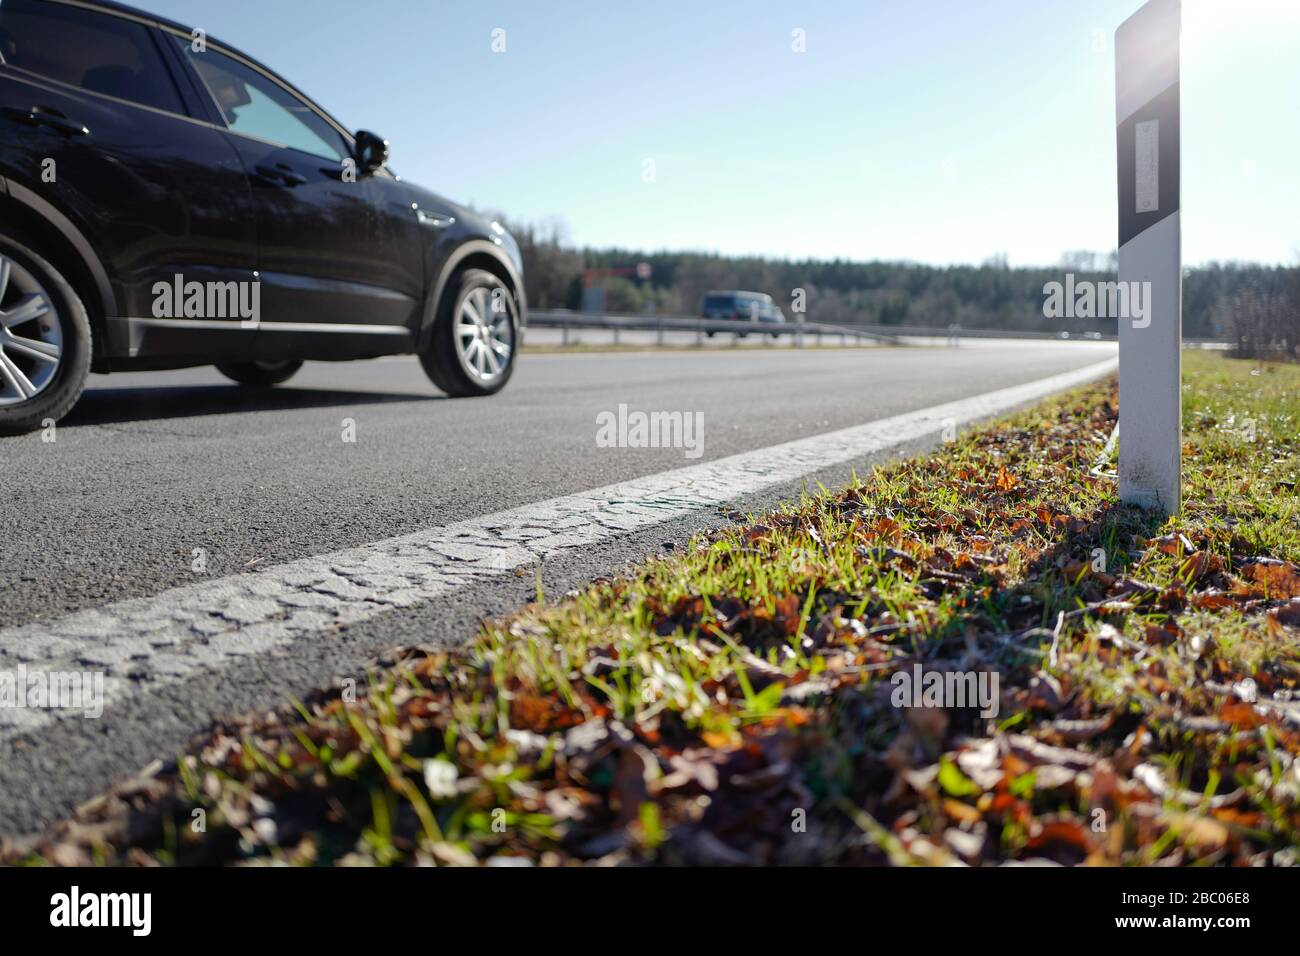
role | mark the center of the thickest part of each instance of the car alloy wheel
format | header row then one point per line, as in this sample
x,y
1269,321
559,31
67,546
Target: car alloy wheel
x,y
474,339
485,334
31,337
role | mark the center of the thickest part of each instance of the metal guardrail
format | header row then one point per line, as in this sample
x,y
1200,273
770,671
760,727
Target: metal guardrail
x,y
878,334
801,331
961,332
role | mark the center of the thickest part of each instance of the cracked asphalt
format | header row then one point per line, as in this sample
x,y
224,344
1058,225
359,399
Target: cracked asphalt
x,y
156,474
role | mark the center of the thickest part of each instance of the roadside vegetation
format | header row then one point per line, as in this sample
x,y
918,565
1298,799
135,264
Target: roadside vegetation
x,y
732,703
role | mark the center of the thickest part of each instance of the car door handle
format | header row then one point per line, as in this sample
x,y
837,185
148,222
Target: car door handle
x,y
280,174
48,117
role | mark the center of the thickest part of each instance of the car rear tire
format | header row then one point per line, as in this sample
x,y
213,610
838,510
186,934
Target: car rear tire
x,y
475,336
259,372
45,342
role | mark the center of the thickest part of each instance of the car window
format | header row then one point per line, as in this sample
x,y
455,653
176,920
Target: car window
x,y
256,105
87,49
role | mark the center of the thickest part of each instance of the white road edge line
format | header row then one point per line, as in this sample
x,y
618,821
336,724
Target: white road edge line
x,y
144,644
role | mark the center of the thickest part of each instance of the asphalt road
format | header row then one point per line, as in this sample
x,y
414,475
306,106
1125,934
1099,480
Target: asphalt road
x,y
150,467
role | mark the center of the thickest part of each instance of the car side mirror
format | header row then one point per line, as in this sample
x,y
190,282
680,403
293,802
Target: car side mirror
x,y
371,151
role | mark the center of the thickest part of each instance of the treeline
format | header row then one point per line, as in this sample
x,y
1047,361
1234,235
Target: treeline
x,y
1263,317
1255,305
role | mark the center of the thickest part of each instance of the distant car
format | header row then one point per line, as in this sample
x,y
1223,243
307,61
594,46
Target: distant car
x,y
741,307
206,212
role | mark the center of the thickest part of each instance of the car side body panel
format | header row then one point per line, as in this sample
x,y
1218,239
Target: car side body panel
x,y
16,191
355,270
154,192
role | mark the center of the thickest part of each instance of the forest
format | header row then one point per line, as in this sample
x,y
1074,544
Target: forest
x,y
1255,306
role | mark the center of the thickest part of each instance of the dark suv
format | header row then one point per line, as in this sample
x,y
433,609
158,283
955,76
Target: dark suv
x,y
167,201
741,306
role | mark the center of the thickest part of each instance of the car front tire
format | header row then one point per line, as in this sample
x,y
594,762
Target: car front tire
x,y
475,336
260,373
45,341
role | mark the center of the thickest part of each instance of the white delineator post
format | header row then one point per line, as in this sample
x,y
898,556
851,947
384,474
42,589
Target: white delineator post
x,y
1150,256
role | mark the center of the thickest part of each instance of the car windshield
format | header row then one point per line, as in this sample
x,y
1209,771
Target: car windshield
x,y
717,302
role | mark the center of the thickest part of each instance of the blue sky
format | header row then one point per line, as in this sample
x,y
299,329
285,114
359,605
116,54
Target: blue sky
x,y
934,130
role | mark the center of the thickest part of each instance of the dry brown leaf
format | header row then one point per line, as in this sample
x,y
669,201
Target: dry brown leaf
x,y
1275,580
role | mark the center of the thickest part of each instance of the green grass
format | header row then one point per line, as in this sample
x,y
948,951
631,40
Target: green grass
x,y
731,704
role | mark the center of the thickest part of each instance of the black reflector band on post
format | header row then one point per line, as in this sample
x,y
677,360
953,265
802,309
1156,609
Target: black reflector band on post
x,y
1148,161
